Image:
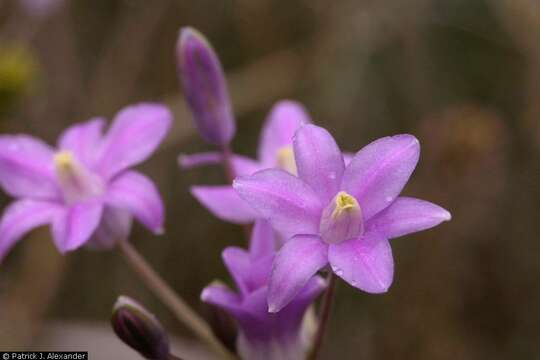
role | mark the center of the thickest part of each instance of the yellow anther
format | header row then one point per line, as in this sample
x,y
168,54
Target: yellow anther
x,y
285,159
345,203
76,181
64,161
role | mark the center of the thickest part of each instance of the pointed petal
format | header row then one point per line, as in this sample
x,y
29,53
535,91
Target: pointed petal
x,y
26,167
22,216
364,263
263,240
221,296
76,225
260,271
290,205
295,264
224,203
246,311
242,164
135,134
115,226
379,171
407,215
238,263
136,193
285,118
84,140
319,161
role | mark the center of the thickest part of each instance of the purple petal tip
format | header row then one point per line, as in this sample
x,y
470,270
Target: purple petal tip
x,y
205,294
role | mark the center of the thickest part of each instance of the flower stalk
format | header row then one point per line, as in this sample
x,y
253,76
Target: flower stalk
x,y
172,300
324,317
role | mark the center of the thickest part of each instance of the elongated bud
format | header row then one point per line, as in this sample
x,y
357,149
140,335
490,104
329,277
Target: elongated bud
x,y
205,88
139,329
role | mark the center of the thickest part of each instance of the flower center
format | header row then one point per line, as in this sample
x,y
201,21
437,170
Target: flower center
x,y
285,159
76,181
341,219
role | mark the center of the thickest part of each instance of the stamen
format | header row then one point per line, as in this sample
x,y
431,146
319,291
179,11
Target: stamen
x,y
64,161
344,203
77,182
285,159
341,219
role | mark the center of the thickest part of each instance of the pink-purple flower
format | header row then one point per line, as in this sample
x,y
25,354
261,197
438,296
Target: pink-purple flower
x,y
263,335
275,150
83,187
338,214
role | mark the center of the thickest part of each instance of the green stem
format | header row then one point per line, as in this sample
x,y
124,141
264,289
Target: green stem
x,y
172,300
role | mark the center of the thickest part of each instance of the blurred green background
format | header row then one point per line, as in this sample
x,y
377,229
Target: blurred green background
x,y
462,75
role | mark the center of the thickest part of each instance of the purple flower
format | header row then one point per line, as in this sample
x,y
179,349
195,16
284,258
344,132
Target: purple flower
x,y
83,188
275,150
205,87
339,214
263,335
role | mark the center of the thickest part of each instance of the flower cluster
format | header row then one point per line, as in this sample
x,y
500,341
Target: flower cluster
x,y
314,208
333,210
84,188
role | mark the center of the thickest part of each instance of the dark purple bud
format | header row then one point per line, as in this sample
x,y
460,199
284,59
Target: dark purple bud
x,y
205,87
139,329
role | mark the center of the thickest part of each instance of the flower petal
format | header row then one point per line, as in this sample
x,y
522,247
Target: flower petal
x,y
238,263
224,203
22,216
115,226
221,296
26,167
407,215
242,164
295,264
291,316
249,312
365,263
319,161
263,240
290,205
135,133
76,225
285,118
84,140
136,193
379,171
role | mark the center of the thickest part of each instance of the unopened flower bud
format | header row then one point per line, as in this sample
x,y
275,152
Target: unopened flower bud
x,y
205,87
139,329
